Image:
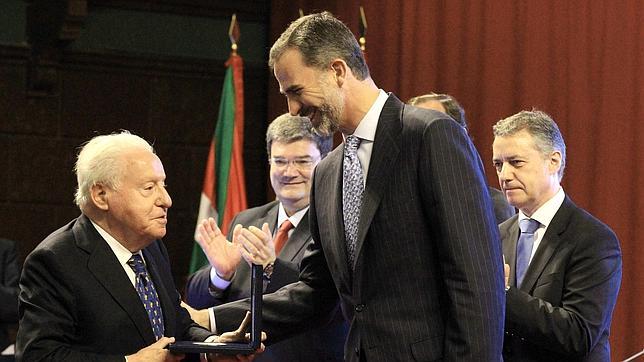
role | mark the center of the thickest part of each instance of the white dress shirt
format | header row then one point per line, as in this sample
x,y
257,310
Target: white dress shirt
x,y
544,216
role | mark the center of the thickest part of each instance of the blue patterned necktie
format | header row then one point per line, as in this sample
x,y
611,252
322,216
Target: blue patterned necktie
x,y
148,294
352,187
524,246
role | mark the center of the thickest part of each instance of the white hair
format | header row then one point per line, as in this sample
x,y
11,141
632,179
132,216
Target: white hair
x,y
100,161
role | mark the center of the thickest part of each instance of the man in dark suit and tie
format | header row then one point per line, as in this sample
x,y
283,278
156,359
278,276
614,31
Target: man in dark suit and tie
x,y
450,106
401,219
564,266
100,288
294,150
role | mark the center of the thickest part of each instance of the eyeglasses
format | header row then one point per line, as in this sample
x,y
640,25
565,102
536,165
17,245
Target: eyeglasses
x,y
302,164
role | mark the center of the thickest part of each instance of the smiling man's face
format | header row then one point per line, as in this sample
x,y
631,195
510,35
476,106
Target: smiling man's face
x,y
310,92
292,182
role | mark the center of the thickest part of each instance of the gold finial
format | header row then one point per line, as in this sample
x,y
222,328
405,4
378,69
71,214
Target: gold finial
x,y
363,30
233,33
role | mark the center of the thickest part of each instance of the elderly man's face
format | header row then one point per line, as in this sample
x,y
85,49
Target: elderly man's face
x,y
310,92
138,209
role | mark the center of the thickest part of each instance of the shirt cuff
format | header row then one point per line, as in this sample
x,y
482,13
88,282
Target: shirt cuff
x,y
213,324
217,281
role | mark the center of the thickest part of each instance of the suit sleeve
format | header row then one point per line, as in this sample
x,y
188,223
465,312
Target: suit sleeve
x,y
296,307
199,291
10,274
468,243
284,272
47,317
591,282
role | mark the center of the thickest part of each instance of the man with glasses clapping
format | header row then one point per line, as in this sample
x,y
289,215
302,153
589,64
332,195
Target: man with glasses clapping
x,y
294,150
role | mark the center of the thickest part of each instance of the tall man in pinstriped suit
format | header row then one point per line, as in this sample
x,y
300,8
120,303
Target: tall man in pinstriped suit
x,y
426,281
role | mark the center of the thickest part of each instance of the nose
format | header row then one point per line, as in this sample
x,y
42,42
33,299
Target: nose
x,y
294,107
290,170
504,174
164,199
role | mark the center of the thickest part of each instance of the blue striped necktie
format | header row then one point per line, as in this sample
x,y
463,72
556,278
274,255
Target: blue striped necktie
x,y
524,247
148,294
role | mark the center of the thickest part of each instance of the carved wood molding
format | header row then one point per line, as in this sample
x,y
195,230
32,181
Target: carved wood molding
x,y
246,10
51,25
155,65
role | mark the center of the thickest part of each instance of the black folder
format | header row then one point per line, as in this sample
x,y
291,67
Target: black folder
x,y
234,348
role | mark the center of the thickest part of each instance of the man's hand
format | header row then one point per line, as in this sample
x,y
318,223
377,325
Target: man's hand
x,y
237,336
257,245
156,352
198,315
506,271
222,254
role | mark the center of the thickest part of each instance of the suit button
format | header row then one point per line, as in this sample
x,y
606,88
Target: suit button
x,y
359,308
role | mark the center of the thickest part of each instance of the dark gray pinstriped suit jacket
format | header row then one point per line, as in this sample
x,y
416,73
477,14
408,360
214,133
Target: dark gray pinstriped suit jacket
x,y
428,278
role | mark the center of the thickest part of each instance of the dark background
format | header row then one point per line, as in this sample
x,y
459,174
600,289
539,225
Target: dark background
x,y
71,69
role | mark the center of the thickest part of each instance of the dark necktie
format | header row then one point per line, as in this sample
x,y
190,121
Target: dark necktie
x,y
282,236
352,187
524,247
148,294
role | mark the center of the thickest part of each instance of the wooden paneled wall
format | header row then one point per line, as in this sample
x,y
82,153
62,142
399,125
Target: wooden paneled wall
x,y
114,72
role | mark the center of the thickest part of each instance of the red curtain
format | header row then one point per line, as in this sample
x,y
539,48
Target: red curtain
x,y
580,61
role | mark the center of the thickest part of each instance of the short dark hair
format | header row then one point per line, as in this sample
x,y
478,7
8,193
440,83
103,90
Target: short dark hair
x,y
287,129
451,105
544,130
321,38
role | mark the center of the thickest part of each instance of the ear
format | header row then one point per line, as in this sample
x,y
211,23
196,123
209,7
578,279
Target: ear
x,y
98,194
340,71
555,162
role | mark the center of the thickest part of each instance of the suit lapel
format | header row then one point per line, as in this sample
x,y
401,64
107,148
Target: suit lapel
x,y
167,307
548,245
270,217
383,157
510,236
329,200
109,273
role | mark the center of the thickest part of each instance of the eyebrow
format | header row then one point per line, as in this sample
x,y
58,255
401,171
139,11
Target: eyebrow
x,y
292,89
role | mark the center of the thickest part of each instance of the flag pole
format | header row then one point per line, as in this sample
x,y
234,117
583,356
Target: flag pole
x,y
224,189
363,30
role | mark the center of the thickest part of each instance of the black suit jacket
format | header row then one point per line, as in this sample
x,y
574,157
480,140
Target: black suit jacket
x,y
502,210
324,344
77,303
563,309
427,283
9,275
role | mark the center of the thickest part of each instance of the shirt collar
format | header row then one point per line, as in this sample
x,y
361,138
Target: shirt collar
x,y
122,254
547,211
294,219
366,129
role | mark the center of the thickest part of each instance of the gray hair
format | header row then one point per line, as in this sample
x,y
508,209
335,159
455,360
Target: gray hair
x,y
100,161
542,128
287,129
451,105
321,38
